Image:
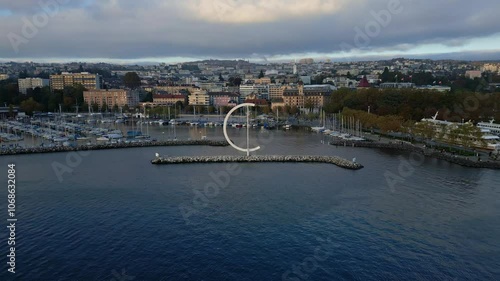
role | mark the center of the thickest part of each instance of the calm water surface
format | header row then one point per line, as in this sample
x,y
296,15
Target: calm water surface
x,y
117,217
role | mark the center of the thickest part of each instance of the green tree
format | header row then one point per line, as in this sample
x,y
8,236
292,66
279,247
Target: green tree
x,y
95,107
425,130
11,110
104,107
29,106
261,74
132,80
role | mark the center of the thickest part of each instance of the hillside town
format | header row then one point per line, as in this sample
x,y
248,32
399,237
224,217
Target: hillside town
x,y
213,84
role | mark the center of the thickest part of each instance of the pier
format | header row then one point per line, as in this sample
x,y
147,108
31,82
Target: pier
x,y
60,148
340,162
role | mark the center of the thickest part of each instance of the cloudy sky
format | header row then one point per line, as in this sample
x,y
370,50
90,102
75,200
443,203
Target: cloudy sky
x,y
179,30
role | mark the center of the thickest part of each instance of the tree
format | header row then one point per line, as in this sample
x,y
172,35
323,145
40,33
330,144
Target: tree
x,y
309,104
385,75
132,80
424,130
221,79
235,81
261,74
104,107
148,98
29,106
266,109
179,104
95,107
11,110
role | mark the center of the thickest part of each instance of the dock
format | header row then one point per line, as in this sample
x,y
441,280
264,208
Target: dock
x,y
340,162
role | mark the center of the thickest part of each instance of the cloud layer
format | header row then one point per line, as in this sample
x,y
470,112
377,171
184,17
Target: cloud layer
x,y
129,29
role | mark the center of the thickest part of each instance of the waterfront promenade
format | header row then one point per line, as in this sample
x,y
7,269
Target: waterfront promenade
x,y
404,146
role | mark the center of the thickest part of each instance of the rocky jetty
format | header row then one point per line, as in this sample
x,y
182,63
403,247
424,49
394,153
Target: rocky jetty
x,y
343,163
403,146
33,150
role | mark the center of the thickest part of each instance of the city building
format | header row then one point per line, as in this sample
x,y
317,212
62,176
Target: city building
x,y
276,91
278,103
364,84
31,83
247,89
263,80
472,74
4,76
172,90
169,99
435,88
221,99
491,67
199,97
306,80
88,80
397,85
211,86
111,97
306,61
307,97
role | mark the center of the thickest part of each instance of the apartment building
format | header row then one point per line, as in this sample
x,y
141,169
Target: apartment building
x,y
276,91
199,97
307,97
112,97
172,90
88,80
220,99
169,99
31,83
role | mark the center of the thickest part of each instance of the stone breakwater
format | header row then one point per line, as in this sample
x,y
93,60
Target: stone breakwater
x,y
343,163
34,150
459,160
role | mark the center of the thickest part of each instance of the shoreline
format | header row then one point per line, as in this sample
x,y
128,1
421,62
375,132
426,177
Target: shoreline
x,y
335,160
56,149
401,146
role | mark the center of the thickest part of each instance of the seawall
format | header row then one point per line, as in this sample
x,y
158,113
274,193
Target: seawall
x,y
343,163
35,150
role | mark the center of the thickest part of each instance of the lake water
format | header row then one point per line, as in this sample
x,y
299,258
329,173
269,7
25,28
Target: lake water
x,y
117,217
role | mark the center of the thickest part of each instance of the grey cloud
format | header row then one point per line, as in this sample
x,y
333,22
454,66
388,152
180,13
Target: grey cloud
x,y
135,29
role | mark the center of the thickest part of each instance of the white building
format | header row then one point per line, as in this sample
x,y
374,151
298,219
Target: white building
x,y
31,83
4,76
